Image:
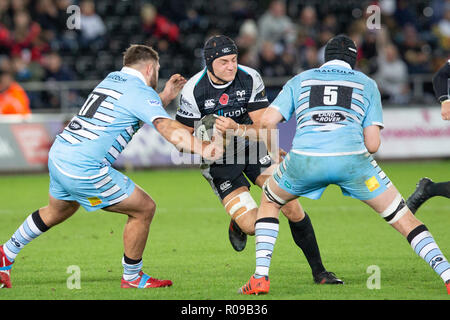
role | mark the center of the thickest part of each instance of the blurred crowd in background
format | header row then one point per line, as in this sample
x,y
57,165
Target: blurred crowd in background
x,y
278,38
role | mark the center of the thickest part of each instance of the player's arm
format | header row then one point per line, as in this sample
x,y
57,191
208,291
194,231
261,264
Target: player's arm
x,y
441,88
373,120
184,141
269,132
172,88
372,138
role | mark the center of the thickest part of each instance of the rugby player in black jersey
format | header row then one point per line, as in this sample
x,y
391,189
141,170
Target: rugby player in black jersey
x,y
426,188
235,95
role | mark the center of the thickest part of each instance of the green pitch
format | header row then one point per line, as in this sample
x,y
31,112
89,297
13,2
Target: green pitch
x,y
188,244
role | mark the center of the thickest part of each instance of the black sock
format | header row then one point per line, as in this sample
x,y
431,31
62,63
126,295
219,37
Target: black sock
x,y
303,235
131,261
439,189
38,221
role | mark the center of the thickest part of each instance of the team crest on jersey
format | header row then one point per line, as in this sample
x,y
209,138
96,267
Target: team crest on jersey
x,y
240,94
224,99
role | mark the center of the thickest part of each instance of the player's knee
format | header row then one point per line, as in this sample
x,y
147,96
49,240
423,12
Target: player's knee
x,y
293,211
396,210
271,196
149,210
242,208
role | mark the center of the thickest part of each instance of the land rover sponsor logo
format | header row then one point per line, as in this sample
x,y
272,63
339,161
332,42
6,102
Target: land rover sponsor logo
x,y
328,117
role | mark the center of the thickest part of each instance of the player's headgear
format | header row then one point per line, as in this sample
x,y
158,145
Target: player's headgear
x,y
342,48
216,47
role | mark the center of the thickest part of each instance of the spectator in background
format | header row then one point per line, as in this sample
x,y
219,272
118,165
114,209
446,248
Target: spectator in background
x,y
310,59
13,99
324,35
330,22
247,43
93,29
309,23
23,38
275,26
442,28
55,71
404,13
54,68
27,71
46,14
414,51
158,26
392,76
19,5
271,64
5,14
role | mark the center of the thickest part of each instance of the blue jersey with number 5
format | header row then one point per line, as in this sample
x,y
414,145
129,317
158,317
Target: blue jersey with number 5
x,y
332,104
105,124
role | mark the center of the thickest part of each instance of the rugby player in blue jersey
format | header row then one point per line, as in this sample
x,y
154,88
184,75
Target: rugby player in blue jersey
x,y
81,157
339,118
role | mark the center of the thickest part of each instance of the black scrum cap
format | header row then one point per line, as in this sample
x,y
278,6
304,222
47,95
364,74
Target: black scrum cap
x,y
216,47
342,48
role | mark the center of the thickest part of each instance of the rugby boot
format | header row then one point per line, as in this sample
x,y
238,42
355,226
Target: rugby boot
x,y
237,238
326,277
256,286
420,195
5,270
145,281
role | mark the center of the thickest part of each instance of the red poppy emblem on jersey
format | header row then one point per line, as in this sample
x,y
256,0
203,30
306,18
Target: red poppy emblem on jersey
x,y
224,99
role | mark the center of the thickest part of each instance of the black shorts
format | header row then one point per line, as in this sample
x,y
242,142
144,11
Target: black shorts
x,y
225,178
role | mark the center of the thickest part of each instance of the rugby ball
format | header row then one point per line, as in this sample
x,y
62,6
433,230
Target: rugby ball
x,y
205,127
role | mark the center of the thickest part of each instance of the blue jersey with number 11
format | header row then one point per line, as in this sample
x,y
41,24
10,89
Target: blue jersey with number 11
x,y
332,105
106,123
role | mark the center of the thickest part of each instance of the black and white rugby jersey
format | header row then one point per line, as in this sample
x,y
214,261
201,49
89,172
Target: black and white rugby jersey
x,y
235,99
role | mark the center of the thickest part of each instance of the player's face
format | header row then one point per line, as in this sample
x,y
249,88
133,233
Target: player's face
x,y
225,67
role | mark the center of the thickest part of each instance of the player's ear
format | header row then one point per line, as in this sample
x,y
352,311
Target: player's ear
x,y
149,70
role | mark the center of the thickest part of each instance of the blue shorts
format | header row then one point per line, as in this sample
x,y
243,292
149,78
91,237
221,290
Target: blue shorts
x,y
358,176
96,192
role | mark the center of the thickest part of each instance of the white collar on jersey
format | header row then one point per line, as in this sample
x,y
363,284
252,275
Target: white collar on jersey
x,y
133,72
218,86
336,62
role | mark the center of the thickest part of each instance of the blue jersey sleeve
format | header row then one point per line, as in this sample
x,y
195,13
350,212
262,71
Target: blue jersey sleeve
x,y
285,101
374,113
148,107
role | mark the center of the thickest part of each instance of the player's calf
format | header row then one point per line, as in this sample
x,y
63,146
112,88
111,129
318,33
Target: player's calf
x,y
401,218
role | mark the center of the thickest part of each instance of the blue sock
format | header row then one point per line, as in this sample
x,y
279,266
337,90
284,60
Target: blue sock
x,y
424,245
131,268
266,233
32,228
